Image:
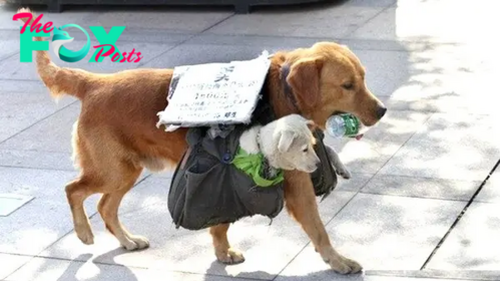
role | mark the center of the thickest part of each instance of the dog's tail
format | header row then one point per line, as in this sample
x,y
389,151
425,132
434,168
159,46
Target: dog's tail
x,y
59,80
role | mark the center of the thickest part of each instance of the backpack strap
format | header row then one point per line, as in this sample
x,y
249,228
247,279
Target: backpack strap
x,y
324,178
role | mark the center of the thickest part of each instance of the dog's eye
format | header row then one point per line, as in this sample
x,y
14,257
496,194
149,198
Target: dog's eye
x,y
348,86
305,149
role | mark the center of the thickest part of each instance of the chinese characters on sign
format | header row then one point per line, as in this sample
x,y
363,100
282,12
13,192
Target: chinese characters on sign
x,y
217,93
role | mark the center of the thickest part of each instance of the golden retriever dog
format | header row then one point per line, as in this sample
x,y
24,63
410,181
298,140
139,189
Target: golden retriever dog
x,y
111,150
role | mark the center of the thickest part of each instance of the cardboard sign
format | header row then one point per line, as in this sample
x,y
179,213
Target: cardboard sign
x,y
216,93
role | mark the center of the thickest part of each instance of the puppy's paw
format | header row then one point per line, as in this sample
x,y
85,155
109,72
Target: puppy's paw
x,y
232,256
344,173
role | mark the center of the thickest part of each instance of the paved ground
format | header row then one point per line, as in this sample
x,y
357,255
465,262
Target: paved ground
x,y
432,62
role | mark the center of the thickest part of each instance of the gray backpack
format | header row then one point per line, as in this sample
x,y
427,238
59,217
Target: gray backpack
x,y
207,189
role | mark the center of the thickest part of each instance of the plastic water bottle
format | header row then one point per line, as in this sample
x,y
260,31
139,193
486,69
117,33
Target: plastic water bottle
x,y
343,125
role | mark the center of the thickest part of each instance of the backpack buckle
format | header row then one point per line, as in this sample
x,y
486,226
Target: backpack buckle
x,y
226,158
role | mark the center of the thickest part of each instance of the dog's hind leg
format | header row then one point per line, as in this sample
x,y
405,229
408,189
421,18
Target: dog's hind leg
x,y
223,251
86,184
301,204
110,202
77,191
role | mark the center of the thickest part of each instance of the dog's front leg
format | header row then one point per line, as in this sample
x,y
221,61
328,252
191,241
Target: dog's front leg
x,y
223,250
302,206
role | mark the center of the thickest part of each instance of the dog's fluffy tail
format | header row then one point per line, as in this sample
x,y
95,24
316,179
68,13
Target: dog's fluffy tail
x,y
59,80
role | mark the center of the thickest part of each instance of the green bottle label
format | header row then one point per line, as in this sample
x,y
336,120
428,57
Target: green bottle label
x,y
351,125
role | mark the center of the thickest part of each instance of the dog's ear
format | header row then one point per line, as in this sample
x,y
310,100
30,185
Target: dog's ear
x,y
304,79
285,141
311,125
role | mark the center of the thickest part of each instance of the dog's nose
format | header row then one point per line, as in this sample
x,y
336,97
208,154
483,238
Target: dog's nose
x,y
381,112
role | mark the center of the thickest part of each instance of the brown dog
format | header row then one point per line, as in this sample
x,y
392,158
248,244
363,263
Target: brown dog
x,y
112,150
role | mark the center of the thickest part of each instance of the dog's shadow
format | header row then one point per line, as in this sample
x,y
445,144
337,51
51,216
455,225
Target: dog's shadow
x,y
104,271
217,272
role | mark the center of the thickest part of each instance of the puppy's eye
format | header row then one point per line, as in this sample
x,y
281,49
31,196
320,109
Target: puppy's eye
x,y
305,149
348,86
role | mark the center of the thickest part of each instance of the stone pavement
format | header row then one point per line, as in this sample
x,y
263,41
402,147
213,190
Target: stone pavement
x,y
421,204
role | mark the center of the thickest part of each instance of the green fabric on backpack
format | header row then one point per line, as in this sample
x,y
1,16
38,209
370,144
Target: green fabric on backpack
x,y
252,165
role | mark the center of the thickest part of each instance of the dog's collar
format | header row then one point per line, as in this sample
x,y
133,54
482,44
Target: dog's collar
x,y
287,90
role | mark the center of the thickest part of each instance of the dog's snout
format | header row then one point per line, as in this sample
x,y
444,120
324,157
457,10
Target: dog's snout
x,y
381,111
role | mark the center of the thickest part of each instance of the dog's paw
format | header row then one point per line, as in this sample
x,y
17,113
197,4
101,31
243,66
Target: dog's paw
x,y
85,235
232,256
344,265
141,241
344,173
136,242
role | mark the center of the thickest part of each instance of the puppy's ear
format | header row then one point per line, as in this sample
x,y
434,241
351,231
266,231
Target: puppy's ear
x,y
304,79
285,141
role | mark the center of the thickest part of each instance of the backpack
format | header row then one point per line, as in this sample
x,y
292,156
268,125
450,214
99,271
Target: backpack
x,y
207,189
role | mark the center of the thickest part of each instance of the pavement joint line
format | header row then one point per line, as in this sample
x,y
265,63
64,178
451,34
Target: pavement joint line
x,y
175,32
181,42
16,254
35,168
19,267
368,20
216,24
400,147
464,210
342,41
223,276
173,46
474,275
37,122
9,56
93,261
416,177
414,197
77,260
428,43
23,80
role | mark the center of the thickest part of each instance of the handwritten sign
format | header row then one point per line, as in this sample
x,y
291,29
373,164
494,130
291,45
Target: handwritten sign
x,y
215,93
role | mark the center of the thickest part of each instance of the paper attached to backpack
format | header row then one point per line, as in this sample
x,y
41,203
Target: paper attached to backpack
x,y
215,93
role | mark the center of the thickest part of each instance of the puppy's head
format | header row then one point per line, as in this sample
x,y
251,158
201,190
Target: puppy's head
x,y
327,79
293,144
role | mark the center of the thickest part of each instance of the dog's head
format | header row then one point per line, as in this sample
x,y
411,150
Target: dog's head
x,y
327,79
292,144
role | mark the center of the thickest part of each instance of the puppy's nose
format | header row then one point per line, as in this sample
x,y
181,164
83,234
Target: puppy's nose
x,y
381,112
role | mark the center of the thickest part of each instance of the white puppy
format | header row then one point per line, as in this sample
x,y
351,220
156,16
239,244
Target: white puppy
x,y
288,144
